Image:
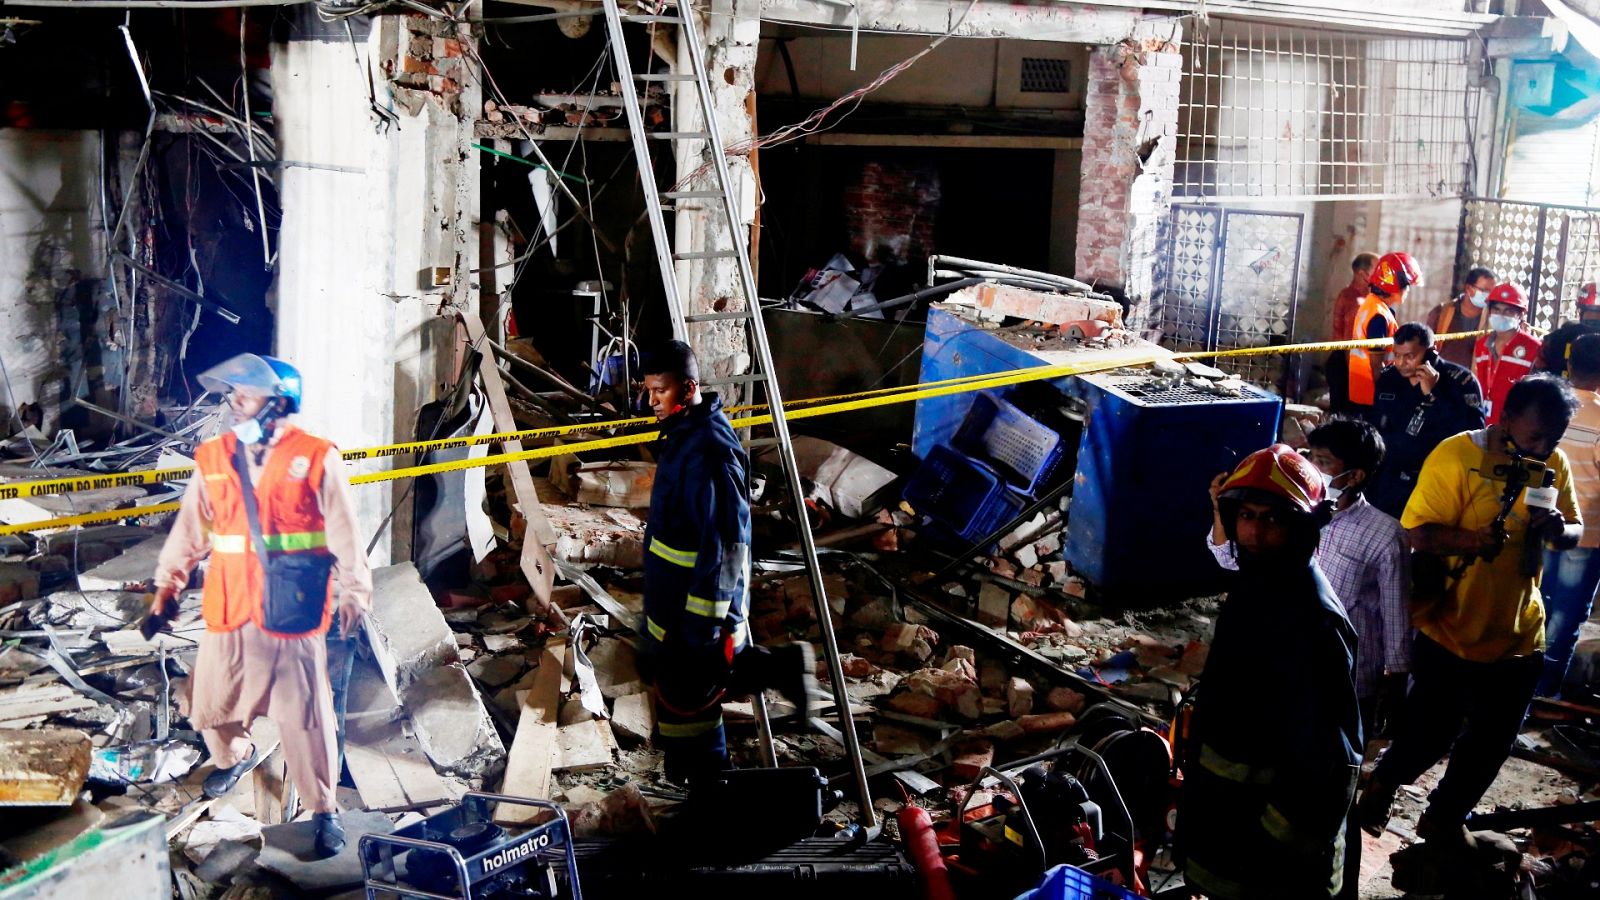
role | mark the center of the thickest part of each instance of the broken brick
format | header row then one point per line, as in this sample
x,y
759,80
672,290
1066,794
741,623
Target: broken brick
x,y
969,758
854,666
1019,698
1003,567
992,676
1064,699
1033,576
913,703
916,640
1045,723
994,605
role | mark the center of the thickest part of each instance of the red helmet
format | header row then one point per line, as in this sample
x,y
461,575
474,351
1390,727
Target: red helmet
x,y
1588,298
1394,273
1509,294
1280,471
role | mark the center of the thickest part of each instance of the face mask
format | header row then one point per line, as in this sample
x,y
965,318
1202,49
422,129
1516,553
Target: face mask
x,y
1478,298
1503,324
1330,492
250,431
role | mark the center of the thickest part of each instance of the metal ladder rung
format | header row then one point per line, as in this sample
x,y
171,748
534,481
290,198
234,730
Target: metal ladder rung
x,y
680,135
637,17
705,254
755,443
690,195
718,317
663,76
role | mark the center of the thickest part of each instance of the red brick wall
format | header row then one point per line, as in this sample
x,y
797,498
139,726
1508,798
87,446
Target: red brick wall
x,y
890,210
1130,118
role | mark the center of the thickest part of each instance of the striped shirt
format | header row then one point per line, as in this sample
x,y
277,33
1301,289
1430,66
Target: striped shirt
x,y
1364,556
1582,446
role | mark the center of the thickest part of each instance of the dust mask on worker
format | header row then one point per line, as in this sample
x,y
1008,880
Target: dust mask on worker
x,y
1502,323
1331,492
1478,298
256,428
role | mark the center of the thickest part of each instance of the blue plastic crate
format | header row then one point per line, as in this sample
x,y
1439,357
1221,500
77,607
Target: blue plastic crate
x,y
1023,450
961,493
1072,883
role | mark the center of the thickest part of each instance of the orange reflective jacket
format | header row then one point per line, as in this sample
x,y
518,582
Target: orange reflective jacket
x,y
287,502
1365,364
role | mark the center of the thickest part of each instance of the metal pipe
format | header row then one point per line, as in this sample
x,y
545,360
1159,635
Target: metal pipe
x,y
553,379
934,291
959,262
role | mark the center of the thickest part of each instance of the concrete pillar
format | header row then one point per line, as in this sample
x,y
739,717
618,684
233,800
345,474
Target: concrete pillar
x,y
731,31
1129,144
372,204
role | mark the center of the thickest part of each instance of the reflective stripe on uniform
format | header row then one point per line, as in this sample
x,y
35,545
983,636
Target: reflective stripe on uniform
x,y
656,631
228,543
1214,885
295,540
1222,767
688,729
741,634
683,558
700,606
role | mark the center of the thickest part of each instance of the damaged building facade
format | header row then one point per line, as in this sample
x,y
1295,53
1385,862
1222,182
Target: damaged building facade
x,y
435,211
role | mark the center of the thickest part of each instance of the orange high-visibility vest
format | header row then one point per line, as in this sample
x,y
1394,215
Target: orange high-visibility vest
x,y
1363,380
291,522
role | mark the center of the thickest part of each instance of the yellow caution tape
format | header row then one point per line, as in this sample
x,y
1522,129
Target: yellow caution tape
x,y
796,409
110,515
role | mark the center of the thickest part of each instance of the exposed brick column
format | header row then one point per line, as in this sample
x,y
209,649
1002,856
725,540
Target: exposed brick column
x,y
1130,123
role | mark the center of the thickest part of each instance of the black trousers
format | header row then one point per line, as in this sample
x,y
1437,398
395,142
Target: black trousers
x,y
1472,711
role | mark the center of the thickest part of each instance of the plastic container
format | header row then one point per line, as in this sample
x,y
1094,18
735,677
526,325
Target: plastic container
x,y
1023,450
962,494
1072,883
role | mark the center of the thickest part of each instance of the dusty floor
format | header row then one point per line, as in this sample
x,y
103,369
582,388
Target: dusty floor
x,y
1521,785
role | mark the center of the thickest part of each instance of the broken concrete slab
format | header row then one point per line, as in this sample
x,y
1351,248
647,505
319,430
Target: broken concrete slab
x,y
597,536
844,481
42,767
226,858
620,483
133,567
616,666
633,718
408,634
586,746
452,724
1019,697
290,851
994,605
17,582
389,766
21,510
494,671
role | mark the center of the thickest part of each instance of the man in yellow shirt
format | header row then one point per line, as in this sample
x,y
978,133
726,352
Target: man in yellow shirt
x,y
1481,498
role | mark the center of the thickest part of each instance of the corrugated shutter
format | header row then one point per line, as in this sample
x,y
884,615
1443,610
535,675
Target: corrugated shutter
x,y
1552,161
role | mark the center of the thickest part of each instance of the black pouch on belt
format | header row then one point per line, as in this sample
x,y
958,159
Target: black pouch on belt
x,y
294,585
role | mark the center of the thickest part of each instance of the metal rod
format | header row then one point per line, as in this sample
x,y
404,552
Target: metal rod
x,y
129,420
934,291
980,546
780,425
1072,283
169,284
551,378
769,753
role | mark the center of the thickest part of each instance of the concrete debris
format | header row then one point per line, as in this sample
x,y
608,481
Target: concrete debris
x,y
844,482
126,571
633,718
621,484
408,634
452,724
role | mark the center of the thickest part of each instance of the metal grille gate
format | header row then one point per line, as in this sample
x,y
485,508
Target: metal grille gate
x,y
1549,251
1230,281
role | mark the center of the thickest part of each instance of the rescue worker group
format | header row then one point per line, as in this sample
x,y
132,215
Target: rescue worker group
x,y
1420,573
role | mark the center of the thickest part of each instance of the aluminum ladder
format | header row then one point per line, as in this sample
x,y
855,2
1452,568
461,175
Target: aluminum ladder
x,y
722,203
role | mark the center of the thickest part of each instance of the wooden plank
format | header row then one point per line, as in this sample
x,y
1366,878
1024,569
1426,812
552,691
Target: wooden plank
x,y
41,700
535,561
534,748
45,767
586,746
391,771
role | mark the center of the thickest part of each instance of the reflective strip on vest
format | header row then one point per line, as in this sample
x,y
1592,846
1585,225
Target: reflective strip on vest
x,y
1237,772
229,543
700,606
656,631
689,729
683,558
290,542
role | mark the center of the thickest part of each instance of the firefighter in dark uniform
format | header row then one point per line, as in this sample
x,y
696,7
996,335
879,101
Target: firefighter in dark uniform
x,y
1555,354
1421,400
1265,806
697,577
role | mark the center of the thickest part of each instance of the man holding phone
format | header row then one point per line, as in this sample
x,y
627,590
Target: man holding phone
x,y
1419,401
